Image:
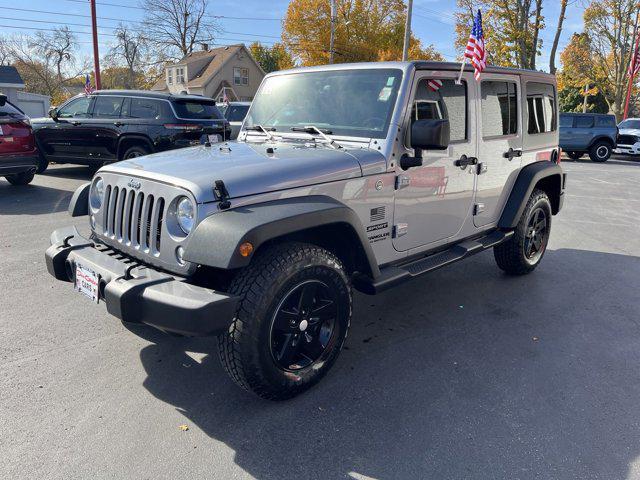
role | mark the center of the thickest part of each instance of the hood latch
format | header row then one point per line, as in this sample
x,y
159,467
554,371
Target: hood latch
x,y
221,194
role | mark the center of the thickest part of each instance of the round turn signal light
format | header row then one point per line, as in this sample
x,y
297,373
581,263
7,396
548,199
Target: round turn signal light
x,y
246,249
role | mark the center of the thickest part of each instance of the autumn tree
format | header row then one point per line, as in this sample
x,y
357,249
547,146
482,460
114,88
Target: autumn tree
x,y
271,58
176,27
365,30
611,25
129,50
511,29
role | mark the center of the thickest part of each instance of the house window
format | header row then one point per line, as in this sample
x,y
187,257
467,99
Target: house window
x,y
240,76
169,76
180,75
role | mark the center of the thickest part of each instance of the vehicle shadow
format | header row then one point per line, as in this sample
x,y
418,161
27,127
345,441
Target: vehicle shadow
x,y
614,160
79,172
466,373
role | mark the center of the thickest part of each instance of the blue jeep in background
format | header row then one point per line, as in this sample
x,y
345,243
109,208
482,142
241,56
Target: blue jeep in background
x,y
592,133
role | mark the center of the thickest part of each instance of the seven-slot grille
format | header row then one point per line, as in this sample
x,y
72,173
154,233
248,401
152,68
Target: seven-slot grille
x,y
627,139
133,218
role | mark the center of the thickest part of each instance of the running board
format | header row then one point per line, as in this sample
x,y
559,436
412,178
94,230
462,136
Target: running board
x,y
394,275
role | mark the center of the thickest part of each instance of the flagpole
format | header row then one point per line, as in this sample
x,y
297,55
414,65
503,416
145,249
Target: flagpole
x,y
462,64
632,70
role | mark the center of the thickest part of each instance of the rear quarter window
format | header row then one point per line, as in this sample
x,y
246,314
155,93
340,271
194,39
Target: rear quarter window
x,y
197,110
542,116
605,121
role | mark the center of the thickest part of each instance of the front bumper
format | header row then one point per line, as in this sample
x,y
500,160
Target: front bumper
x,y
628,149
138,294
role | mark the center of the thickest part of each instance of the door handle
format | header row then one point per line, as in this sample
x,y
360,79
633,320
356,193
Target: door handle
x,y
118,124
512,153
465,161
75,122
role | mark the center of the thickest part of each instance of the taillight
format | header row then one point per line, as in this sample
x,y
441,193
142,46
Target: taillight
x,y
181,126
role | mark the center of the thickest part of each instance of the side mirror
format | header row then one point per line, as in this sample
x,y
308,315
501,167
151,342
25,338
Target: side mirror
x,y
53,113
3,100
430,134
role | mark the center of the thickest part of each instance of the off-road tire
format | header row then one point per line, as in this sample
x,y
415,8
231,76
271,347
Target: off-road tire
x,y
600,152
246,348
135,151
21,178
575,155
510,255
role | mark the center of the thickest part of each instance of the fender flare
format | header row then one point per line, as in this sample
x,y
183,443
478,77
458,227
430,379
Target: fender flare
x,y
79,203
527,180
216,239
600,138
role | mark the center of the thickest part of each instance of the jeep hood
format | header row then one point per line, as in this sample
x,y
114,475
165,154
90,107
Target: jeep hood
x,y
630,131
249,169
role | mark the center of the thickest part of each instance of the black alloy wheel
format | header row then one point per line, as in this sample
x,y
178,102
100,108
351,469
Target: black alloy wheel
x,y
303,325
537,235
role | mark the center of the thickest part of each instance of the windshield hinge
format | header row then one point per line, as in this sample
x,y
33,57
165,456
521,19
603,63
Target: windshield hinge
x,y
402,181
221,194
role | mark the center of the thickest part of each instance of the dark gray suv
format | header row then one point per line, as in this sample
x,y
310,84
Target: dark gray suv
x,y
591,133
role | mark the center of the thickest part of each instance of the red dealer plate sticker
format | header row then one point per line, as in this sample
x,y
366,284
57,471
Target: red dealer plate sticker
x,y
86,282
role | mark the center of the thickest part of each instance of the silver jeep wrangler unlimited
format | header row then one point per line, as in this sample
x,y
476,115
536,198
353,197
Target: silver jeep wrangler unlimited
x,y
343,176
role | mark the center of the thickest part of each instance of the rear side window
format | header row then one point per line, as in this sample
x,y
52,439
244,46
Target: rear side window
x,y
146,108
236,113
541,108
107,107
197,110
566,121
499,108
605,121
584,122
442,99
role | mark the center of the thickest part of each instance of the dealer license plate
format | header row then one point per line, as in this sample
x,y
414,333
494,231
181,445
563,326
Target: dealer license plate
x,y
87,282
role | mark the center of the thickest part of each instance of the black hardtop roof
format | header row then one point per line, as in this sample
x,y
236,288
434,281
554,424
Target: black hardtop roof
x,y
150,94
433,65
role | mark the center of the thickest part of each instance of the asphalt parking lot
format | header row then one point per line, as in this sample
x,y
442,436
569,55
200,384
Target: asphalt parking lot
x,y
465,373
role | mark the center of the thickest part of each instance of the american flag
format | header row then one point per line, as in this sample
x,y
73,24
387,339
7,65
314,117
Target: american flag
x,y
475,47
87,85
634,65
434,84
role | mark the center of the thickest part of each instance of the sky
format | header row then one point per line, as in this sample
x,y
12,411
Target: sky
x,y
433,21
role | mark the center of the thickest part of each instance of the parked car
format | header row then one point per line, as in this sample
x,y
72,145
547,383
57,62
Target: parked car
x,y
112,125
629,137
592,133
332,183
235,113
18,153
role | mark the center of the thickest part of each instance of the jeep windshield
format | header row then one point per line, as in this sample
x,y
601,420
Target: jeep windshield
x,y
351,103
630,124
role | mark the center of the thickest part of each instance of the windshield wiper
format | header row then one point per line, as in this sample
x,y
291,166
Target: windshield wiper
x,y
312,129
260,128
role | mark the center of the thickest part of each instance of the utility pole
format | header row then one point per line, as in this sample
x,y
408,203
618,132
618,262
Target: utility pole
x,y
332,39
96,56
407,32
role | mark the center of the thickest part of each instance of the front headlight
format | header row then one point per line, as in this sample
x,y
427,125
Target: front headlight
x,y
185,213
96,194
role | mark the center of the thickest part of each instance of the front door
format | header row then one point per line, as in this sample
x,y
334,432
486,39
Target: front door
x,y
500,145
67,137
432,201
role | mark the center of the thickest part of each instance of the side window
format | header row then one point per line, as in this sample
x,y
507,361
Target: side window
x,y
442,99
605,121
169,76
144,108
541,108
180,75
107,107
499,103
566,121
78,108
585,121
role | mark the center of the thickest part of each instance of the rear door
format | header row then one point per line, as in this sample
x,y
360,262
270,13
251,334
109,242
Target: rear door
x,y
433,200
106,126
500,143
583,132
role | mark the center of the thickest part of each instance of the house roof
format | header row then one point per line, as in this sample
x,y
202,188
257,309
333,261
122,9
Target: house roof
x,y
217,58
9,76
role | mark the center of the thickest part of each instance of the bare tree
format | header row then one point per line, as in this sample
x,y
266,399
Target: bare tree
x,y
556,38
5,54
176,27
130,48
58,47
